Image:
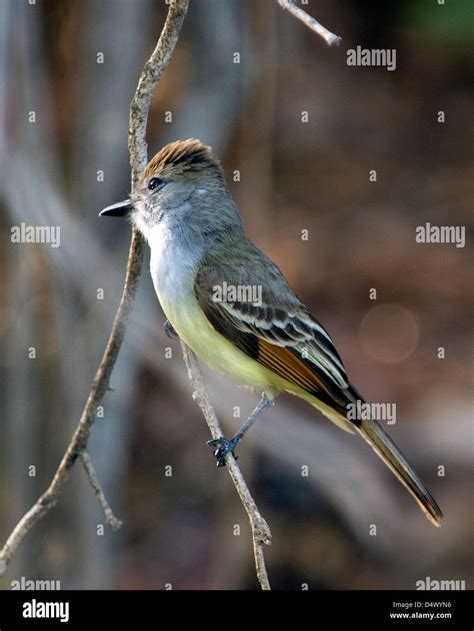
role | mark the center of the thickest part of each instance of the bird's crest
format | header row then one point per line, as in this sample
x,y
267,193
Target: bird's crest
x,y
181,156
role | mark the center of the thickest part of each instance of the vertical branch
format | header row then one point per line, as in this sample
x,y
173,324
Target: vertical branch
x,y
261,534
139,108
149,78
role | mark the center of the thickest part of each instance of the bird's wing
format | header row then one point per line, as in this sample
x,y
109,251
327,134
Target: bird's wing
x,y
277,330
282,335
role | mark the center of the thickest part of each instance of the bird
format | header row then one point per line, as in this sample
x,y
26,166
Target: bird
x,y
232,306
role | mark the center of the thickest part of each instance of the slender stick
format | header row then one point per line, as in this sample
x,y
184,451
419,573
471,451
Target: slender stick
x,y
112,521
148,81
261,534
310,22
149,78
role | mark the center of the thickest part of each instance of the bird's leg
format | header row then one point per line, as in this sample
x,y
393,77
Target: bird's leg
x,y
223,446
169,329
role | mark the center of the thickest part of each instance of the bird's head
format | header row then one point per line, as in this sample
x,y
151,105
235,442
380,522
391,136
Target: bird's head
x,y
183,181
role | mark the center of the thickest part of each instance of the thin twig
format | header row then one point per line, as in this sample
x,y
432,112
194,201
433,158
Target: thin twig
x,y
149,78
112,521
261,534
310,22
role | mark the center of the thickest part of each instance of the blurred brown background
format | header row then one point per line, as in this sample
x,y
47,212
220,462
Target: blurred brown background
x,y
60,170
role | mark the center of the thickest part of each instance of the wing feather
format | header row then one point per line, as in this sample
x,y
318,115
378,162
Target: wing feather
x,y
285,338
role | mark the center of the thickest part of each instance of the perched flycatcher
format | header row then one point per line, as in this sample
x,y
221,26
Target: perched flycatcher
x,y
233,307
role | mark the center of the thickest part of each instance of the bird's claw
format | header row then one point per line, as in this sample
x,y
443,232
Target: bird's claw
x,y
223,447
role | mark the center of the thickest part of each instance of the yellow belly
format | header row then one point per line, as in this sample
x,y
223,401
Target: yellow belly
x,y
216,351
223,357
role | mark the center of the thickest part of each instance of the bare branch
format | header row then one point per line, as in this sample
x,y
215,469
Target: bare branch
x,y
149,78
310,22
112,521
148,81
261,534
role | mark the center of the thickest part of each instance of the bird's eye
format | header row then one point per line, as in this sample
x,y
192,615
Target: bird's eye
x,y
154,183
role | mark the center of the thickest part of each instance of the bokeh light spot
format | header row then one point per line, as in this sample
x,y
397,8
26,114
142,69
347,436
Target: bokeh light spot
x,y
389,333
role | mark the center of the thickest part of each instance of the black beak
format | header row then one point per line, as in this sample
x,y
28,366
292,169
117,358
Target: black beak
x,y
120,209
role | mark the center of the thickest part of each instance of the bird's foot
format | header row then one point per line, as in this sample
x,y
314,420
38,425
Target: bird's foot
x,y
223,447
169,329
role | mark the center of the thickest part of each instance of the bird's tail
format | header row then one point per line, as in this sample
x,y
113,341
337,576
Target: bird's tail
x,y
384,447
